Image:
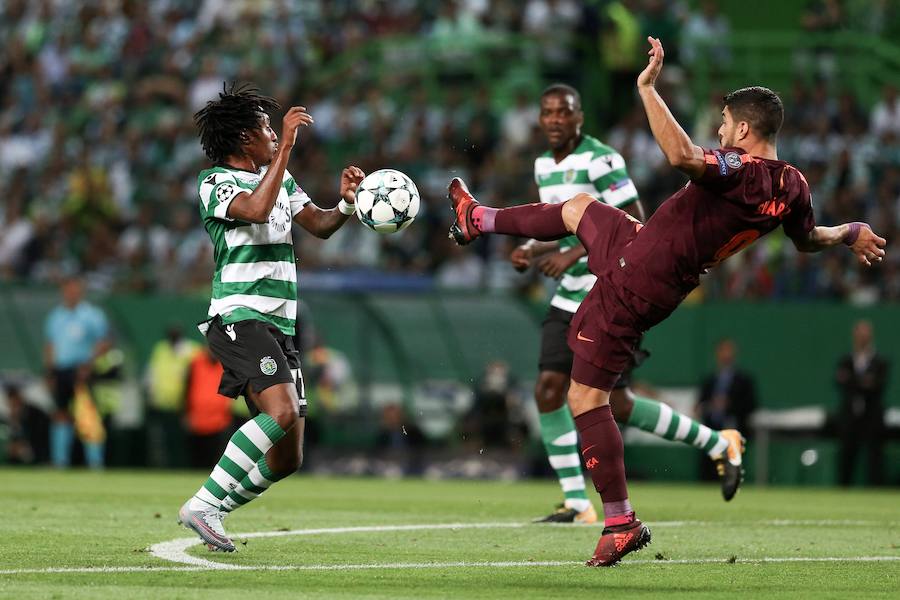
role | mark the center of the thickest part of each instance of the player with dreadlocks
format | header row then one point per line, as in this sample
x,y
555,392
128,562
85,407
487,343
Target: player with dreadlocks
x,y
248,203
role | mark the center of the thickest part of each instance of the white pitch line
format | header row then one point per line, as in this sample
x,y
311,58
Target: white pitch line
x,y
454,565
175,550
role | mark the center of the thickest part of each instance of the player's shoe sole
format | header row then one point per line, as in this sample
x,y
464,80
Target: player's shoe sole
x,y
197,521
462,203
569,515
617,542
729,465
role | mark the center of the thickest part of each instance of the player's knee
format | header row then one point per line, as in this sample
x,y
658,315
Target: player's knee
x,y
284,415
574,209
621,404
550,391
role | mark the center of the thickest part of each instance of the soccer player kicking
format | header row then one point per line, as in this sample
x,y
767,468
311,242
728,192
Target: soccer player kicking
x,y
579,163
737,193
248,203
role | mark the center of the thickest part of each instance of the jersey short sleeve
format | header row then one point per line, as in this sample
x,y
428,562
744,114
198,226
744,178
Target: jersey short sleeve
x,y
297,197
609,176
217,191
725,170
801,219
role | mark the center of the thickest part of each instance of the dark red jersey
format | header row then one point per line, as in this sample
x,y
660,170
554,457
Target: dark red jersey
x,y
738,199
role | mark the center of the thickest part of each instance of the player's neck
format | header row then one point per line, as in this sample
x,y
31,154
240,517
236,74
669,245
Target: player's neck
x,y
762,149
243,163
559,154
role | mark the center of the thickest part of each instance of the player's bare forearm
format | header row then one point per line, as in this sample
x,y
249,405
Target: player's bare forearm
x,y
256,206
675,143
867,246
320,222
821,237
680,151
541,248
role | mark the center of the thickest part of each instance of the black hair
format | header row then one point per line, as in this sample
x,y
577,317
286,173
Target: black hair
x,y
222,122
562,89
760,107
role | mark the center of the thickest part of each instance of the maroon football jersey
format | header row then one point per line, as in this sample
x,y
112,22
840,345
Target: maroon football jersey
x,y
738,199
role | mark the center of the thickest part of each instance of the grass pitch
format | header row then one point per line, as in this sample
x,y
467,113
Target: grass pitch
x,y
89,535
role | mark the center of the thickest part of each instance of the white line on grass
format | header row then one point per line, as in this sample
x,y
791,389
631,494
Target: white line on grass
x,y
176,550
451,565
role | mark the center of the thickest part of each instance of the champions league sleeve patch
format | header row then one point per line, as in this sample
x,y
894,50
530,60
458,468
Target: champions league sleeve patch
x,y
224,192
733,160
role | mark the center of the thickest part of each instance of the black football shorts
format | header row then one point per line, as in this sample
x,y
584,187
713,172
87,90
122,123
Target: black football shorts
x,y
256,354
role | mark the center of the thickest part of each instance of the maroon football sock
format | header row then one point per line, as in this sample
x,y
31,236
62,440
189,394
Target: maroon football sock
x,y
604,456
539,221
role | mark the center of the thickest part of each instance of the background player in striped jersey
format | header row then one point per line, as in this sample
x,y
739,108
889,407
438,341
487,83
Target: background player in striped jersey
x,y
578,163
248,203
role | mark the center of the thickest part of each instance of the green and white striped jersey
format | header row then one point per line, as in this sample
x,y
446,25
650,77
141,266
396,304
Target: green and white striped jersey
x,y
256,272
593,168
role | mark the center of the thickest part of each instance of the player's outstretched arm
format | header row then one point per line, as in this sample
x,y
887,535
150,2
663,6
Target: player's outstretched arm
x,y
256,207
323,222
680,151
865,244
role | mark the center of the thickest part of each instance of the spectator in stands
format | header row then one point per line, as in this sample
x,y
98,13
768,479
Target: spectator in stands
x,y
76,333
862,378
87,141
27,427
209,416
166,383
885,120
705,34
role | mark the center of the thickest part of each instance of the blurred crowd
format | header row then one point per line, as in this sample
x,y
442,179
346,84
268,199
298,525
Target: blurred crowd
x,y
99,154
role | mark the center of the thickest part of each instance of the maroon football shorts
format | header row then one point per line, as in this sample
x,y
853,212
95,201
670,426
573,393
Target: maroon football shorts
x,y
610,321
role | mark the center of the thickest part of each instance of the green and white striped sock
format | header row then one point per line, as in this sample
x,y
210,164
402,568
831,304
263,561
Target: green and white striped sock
x,y
659,419
561,442
258,480
246,447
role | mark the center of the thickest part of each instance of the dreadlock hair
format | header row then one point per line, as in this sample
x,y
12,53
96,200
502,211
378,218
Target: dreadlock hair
x,y
221,122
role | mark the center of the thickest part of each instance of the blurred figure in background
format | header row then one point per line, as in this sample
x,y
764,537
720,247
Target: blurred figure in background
x,y
208,413
399,440
76,332
862,377
97,402
166,383
727,397
495,419
27,429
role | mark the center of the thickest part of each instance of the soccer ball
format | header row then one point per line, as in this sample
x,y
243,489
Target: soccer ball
x,y
387,201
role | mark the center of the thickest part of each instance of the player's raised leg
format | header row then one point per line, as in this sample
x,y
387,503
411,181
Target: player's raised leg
x,y
725,448
544,222
604,456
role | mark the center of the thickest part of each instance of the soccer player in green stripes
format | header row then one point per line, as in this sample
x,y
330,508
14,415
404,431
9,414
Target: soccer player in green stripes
x,y
578,163
249,203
